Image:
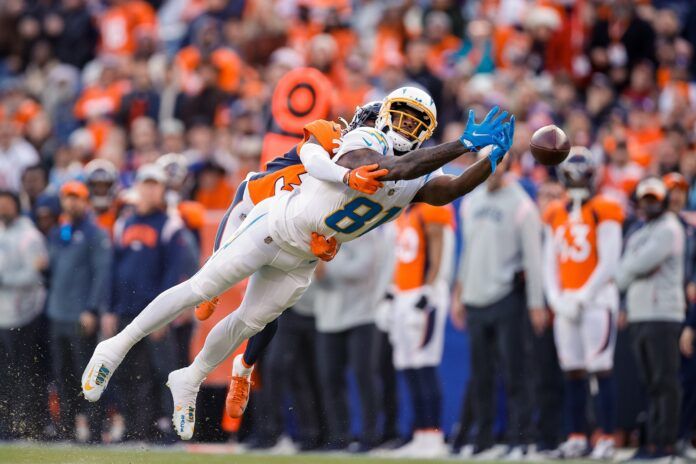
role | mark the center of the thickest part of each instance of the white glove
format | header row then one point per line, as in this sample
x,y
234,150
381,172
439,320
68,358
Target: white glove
x,y
384,314
568,305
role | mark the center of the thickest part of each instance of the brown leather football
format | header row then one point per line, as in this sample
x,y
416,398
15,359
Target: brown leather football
x,y
549,145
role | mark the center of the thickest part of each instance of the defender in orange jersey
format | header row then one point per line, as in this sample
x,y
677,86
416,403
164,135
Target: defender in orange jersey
x,y
582,251
286,173
425,247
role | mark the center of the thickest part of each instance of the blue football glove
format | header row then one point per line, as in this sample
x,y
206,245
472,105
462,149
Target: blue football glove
x,y
503,142
478,135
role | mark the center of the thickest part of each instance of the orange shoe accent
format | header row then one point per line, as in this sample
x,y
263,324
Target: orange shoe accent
x,y
248,366
237,396
206,309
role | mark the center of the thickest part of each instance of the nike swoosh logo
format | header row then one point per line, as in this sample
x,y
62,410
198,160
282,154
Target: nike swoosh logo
x,y
360,177
478,134
369,144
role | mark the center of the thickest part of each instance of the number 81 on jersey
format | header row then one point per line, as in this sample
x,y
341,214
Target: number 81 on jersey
x,y
356,214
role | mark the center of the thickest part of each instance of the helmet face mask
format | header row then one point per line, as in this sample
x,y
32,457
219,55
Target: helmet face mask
x,y
102,182
578,172
365,115
408,117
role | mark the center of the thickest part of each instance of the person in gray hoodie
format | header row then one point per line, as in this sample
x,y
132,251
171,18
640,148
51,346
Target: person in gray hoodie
x,y
22,295
651,273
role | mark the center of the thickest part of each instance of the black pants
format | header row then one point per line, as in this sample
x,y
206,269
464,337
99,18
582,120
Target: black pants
x,y
426,397
656,346
22,386
688,409
386,385
70,353
499,332
182,342
547,390
286,369
141,379
335,353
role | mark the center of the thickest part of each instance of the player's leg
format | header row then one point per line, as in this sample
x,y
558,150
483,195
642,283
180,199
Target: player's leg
x,y
568,338
239,258
269,292
238,210
598,327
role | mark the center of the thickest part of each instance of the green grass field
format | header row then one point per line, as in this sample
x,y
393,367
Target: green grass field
x,y
47,454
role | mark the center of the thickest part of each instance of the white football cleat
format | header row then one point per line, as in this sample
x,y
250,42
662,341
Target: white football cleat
x,y
99,371
573,448
604,450
184,393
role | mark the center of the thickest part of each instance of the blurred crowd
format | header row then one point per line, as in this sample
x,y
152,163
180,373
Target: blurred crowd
x,y
124,123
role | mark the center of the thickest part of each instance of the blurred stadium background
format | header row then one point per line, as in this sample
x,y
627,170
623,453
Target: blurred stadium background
x,y
92,90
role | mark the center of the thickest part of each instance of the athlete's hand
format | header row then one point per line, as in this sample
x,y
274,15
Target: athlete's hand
x,y
458,315
567,305
503,142
478,135
539,319
88,323
323,248
109,325
686,342
364,178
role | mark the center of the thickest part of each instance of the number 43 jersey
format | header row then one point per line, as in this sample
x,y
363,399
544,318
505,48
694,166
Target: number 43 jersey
x,y
575,237
335,210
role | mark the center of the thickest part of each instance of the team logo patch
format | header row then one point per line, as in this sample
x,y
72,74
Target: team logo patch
x,y
101,375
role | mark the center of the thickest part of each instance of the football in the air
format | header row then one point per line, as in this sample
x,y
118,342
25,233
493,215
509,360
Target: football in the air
x,y
549,145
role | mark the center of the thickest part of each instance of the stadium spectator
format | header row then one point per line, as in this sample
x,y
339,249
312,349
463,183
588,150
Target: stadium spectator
x,y
652,274
80,264
152,251
494,292
34,182
344,311
16,154
72,32
22,295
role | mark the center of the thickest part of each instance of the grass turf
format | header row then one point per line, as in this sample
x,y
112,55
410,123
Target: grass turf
x,y
47,454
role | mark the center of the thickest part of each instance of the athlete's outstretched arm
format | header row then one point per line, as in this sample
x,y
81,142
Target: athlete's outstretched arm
x,y
445,189
410,166
425,160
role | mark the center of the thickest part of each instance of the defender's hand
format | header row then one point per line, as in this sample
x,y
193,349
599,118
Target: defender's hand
x,y
478,135
323,248
364,178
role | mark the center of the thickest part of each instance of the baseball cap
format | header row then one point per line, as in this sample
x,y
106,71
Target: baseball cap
x,y
74,187
152,172
651,186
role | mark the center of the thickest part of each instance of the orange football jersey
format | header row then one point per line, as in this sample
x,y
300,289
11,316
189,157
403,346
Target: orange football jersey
x,y
412,246
327,134
575,238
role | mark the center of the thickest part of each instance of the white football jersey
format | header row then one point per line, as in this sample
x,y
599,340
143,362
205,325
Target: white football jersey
x,y
336,210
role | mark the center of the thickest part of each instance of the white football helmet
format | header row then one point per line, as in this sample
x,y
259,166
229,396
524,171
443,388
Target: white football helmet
x,y
392,117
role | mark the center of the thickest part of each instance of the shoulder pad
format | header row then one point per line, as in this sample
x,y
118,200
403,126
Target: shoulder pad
x,y
365,137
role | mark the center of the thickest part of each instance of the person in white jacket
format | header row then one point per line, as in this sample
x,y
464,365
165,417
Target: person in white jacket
x,y
23,257
652,274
